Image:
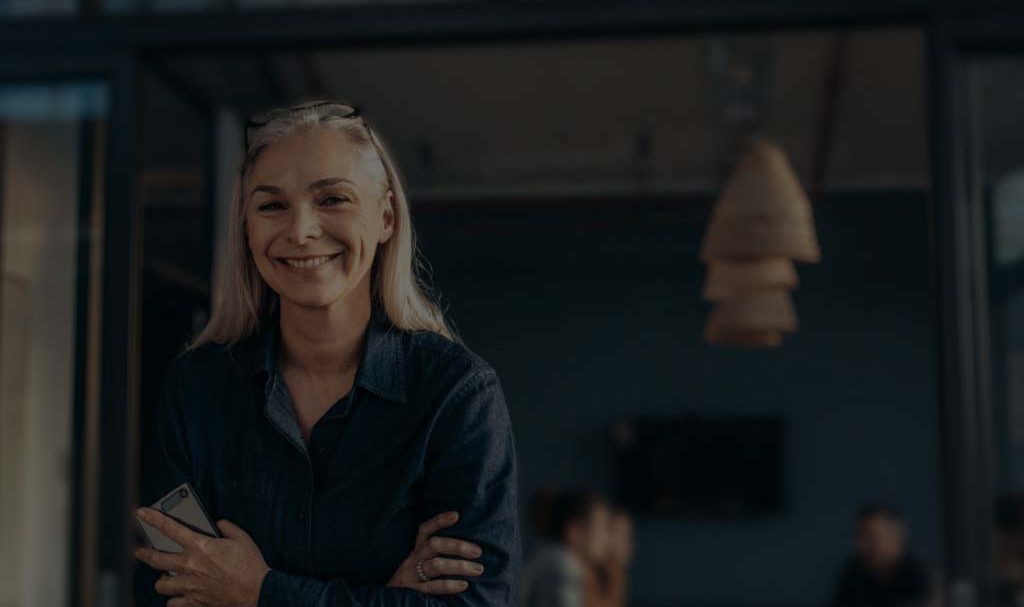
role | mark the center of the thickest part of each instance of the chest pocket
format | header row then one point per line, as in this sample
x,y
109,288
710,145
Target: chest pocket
x,y
248,484
252,489
248,501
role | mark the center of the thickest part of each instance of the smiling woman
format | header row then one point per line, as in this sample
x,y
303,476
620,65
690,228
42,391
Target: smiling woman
x,y
298,221
327,415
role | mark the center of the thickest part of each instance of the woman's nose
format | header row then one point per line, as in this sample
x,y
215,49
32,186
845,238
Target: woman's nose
x,y
305,225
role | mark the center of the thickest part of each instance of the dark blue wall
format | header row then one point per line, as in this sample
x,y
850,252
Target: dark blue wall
x,y
591,312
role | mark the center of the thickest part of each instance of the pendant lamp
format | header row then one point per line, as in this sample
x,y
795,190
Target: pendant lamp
x,y
763,211
760,225
721,336
728,278
757,311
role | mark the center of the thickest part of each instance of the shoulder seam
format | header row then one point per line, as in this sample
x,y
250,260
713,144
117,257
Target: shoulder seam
x,y
477,375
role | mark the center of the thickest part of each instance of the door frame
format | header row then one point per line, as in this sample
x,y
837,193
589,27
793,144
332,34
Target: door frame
x,y
117,72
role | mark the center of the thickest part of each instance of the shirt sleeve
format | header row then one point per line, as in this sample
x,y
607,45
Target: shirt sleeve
x,y
165,465
470,467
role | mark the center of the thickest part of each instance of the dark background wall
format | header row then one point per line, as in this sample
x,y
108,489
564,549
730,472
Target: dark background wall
x,y
590,311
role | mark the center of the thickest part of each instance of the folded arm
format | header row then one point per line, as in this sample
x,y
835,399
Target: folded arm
x,y
470,468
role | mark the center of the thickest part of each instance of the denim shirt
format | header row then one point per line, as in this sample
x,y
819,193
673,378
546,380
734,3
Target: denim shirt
x,y
425,429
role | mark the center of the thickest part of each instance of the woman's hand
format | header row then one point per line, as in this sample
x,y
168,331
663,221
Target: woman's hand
x,y
427,553
210,571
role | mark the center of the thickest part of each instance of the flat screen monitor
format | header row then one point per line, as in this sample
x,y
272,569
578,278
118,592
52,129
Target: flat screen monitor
x,y
700,466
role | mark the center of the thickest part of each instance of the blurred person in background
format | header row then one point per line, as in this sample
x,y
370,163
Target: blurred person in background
x,y
574,529
1009,550
610,586
882,572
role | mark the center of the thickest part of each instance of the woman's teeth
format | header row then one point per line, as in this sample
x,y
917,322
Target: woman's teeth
x,y
310,263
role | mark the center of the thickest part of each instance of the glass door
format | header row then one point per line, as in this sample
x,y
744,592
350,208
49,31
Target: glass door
x,y
52,163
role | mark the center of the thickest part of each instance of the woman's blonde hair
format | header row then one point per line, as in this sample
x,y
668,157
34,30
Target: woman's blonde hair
x,y
242,301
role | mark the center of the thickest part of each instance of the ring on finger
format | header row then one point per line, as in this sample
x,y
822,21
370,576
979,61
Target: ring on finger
x,y
419,571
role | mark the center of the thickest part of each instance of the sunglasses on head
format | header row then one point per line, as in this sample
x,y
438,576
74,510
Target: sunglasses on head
x,y
338,108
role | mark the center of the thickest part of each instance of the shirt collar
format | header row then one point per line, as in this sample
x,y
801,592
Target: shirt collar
x,y
381,368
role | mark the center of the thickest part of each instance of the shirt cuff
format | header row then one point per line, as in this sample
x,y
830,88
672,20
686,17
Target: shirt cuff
x,y
281,589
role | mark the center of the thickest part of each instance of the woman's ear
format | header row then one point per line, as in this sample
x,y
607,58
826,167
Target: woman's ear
x,y
387,217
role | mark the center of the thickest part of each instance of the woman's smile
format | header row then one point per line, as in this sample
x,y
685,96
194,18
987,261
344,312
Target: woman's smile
x,y
308,265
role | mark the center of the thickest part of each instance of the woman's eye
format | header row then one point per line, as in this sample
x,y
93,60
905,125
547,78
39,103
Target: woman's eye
x,y
334,200
270,206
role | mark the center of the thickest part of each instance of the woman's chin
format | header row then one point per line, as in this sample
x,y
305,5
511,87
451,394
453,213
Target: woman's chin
x,y
310,298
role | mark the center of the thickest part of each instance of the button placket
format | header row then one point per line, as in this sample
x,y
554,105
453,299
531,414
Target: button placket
x,y
278,394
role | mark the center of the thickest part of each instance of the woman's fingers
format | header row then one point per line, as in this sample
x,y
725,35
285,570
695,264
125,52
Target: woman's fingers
x,y
435,524
175,585
443,586
450,546
174,530
164,561
438,566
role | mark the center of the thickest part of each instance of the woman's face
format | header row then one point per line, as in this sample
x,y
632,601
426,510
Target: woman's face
x,y
315,210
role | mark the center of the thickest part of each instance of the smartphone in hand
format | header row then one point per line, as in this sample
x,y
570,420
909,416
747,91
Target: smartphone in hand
x,y
183,505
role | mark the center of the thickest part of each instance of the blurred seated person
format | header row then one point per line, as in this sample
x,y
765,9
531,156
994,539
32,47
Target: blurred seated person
x,y
609,587
1009,550
573,527
882,572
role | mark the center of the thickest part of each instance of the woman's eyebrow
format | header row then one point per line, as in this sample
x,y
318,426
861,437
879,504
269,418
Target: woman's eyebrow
x,y
270,189
319,183
326,181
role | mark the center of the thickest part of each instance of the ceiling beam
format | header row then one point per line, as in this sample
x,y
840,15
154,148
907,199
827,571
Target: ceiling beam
x,y
832,89
466,22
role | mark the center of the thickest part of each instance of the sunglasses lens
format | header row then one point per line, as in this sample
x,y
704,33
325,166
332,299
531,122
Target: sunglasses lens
x,y
342,110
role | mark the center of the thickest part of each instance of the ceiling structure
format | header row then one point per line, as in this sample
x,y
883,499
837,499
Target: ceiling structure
x,y
628,116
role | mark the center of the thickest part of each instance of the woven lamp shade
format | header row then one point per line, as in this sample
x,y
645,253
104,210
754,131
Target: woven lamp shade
x,y
753,315
729,278
720,336
763,212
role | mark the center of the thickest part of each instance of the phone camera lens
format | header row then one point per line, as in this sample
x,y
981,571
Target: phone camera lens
x,y
183,493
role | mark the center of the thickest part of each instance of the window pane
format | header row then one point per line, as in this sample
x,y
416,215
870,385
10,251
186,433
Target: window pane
x,y
18,8
1000,92
48,172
